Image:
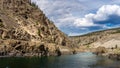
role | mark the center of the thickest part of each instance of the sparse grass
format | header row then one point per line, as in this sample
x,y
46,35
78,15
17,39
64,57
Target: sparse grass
x,y
37,23
88,46
118,31
117,51
1,24
39,32
88,43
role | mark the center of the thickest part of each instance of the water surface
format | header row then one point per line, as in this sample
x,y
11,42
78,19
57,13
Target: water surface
x,y
81,60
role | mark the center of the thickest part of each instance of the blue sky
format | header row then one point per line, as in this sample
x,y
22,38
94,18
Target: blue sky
x,y
77,17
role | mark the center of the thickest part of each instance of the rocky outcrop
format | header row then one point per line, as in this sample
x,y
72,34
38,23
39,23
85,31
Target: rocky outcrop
x,y
26,31
114,56
107,38
100,50
105,43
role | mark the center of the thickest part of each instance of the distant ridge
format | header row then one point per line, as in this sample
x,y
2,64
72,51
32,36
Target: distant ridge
x,y
98,38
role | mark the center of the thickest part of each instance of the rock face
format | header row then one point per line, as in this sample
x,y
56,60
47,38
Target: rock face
x,y
26,31
105,43
100,50
107,38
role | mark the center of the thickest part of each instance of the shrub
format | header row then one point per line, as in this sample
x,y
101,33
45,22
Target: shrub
x,y
38,31
118,31
1,20
1,23
34,5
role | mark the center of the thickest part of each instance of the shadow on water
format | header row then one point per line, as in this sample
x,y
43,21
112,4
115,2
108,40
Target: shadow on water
x,y
81,60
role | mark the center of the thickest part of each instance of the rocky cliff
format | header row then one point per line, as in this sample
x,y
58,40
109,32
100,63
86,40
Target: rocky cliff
x,y
107,38
26,31
105,43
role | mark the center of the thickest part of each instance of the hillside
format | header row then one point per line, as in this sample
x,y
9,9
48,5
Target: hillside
x,y
106,38
26,31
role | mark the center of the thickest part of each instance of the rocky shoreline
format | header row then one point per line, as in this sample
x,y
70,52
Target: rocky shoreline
x,y
31,51
3,54
111,53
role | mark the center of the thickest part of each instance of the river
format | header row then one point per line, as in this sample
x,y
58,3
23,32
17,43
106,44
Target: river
x,y
81,60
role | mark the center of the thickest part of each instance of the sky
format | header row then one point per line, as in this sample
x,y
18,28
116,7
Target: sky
x,y
77,17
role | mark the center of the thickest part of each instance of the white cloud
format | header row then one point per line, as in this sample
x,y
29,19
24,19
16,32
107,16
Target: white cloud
x,y
106,10
83,22
80,13
66,20
102,14
61,11
68,13
75,34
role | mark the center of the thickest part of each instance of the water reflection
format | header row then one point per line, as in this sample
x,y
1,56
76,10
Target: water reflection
x,y
82,60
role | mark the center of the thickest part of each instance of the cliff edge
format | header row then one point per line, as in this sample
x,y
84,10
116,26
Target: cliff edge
x,y
26,31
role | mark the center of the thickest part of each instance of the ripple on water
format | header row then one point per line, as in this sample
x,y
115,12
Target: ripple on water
x,y
81,60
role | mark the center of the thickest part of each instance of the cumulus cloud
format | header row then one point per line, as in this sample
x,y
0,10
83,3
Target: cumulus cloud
x,y
62,12
102,14
81,16
68,12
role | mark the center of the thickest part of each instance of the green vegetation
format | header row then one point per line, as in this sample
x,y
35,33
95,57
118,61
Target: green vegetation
x,y
88,46
38,31
1,23
34,5
118,31
37,23
88,43
1,20
116,46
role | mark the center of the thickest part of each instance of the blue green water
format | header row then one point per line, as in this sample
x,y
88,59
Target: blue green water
x,y
81,60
